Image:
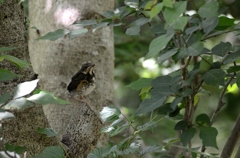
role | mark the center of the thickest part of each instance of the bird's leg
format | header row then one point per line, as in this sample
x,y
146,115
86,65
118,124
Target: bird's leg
x,y
82,99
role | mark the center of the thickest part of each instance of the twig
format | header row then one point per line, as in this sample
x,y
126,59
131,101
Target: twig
x,y
5,151
220,105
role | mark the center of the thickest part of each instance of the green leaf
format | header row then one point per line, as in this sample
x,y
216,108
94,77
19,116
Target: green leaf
x,y
4,98
208,136
151,104
45,98
140,83
158,44
51,152
209,24
133,30
238,80
232,69
168,3
125,13
149,149
52,36
203,120
195,49
162,87
214,77
145,90
225,23
4,49
192,29
99,25
86,23
175,102
147,126
108,14
48,131
187,135
209,9
166,55
180,23
222,49
156,10
19,103
25,88
174,13
139,22
18,62
232,57
6,75
16,149
181,125
109,114
77,32
205,63
100,152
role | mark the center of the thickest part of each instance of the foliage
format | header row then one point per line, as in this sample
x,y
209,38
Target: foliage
x,y
18,101
181,39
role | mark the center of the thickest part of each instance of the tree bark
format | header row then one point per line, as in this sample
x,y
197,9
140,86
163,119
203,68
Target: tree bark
x,y
56,62
21,130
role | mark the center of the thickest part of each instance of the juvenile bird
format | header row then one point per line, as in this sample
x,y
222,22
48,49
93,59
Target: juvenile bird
x,y
83,82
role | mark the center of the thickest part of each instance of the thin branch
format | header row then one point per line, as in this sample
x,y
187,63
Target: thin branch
x,y
220,105
219,33
5,151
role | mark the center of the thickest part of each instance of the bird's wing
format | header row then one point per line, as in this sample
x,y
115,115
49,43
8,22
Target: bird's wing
x,y
76,79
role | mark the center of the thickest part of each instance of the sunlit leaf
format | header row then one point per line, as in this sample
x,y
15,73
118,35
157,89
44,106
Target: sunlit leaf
x,y
51,152
19,103
45,98
52,36
187,135
6,75
208,136
109,114
25,88
205,63
140,83
48,131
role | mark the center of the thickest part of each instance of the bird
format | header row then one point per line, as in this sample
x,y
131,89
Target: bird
x,y
83,82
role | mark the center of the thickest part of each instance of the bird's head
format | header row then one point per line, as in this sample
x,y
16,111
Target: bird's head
x,y
87,68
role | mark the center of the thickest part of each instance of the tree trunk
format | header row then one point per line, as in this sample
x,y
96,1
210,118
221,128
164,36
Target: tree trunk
x,y
56,62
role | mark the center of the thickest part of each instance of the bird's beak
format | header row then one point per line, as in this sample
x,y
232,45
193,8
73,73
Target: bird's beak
x,y
91,69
